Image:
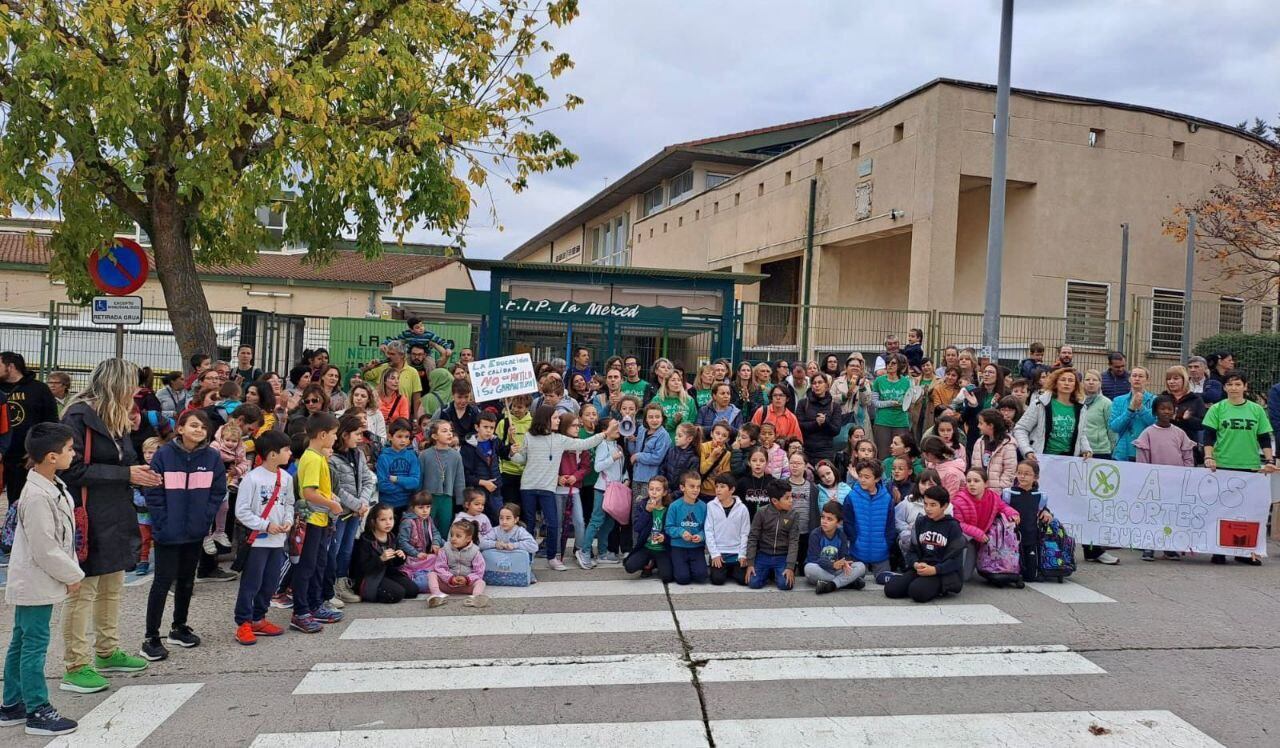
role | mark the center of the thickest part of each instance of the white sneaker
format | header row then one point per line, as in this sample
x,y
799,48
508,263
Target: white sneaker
x,y
583,560
557,565
208,547
221,539
1108,559
336,602
609,558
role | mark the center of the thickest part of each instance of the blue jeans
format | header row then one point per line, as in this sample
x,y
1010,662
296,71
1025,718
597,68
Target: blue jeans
x,y
601,524
532,501
689,564
344,542
765,565
258,582
308,575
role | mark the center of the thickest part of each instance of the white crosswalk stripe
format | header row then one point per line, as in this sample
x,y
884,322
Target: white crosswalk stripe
x,y
1069,592
128,716
669,734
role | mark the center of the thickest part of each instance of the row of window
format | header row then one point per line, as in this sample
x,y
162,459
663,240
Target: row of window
x,y
1088,311
676,189
609,242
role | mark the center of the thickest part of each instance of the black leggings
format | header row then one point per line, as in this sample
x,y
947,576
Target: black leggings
x,y
392,588
922,589
175,567
640,557
728,571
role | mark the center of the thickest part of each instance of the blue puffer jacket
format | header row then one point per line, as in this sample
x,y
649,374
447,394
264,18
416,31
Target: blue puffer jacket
x,y
868,523
195,485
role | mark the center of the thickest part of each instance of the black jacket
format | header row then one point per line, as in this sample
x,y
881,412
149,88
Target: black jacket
x,y
368,569
939,543
463,425
114,540
29,402
818,438
476,468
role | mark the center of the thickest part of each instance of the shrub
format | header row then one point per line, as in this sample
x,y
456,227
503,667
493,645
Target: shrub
x,y
1256,354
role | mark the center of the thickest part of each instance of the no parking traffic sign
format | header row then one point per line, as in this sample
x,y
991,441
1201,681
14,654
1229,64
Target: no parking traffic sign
x,y
119,269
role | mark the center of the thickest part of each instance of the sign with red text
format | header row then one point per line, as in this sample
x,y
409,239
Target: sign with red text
x,y
1158,507
505,376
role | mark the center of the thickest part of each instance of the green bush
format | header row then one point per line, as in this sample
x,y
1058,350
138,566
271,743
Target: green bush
x,y
1257,354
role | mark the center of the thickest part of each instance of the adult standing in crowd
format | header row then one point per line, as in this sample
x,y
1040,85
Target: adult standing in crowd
x,y
100,479
891,346
1199,381
819,418
29,402
60,386
245,372
1066,358
852,391
172,395
1115,380
1221,364
1097,416
632,384
1188,407
410,384
1131,414
888,393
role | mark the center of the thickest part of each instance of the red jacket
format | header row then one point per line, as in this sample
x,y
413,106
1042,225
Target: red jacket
x,y
976,515
577,464
785,425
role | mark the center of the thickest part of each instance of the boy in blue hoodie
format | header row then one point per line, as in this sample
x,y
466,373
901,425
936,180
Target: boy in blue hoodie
x,y
180,518
829,565
868,519
482,455
399,475
685,521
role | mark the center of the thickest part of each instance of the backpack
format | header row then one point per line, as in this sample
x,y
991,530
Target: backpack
x,y
1057,551
999,559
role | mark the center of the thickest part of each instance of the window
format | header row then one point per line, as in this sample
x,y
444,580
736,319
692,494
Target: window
x,y
1097,138
855,150
899,130
737,199
1230,314
715,180
716,207
680,222
653,200
786,178
1166,321
1088,307
1239,162
1268,321
681,185
273,219
1179,150
760,190
817,167
609,242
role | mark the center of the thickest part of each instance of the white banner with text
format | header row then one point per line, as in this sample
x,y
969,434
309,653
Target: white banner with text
x,y
505,376
1158,507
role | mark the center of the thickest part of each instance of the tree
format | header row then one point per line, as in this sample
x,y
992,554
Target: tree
x,y
187,116
1260,128
1238,224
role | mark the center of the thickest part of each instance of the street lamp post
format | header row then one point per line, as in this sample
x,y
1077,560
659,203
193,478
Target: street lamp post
x,y
995,230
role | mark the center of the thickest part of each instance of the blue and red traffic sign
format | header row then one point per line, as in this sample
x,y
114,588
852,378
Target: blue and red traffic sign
x,y
120,269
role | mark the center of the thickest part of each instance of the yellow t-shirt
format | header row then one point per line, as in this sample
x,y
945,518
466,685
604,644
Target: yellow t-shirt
x,y
313,472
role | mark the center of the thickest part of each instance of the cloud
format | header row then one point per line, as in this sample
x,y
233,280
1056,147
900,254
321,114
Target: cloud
x,y
661,72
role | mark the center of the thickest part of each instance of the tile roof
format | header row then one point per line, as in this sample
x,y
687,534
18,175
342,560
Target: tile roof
x,y
25,248
775,128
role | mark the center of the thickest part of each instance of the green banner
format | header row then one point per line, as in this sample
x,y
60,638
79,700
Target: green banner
x,y
353,342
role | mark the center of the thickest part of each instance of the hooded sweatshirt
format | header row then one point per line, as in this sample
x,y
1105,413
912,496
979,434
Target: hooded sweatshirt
x,y
868,523
937,542
726,530
417,535
30,402
818,438
195,485
403,464
439,392
684,517
511,431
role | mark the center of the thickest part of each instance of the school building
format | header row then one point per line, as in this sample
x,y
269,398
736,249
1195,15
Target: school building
x,y
900,201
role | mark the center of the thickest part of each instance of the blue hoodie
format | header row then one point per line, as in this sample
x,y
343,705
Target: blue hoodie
x,y
868,523
182,509
403,464
649,451
684,517
825,551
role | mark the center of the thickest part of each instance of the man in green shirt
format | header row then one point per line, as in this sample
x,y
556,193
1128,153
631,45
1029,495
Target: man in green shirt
x,y
632,383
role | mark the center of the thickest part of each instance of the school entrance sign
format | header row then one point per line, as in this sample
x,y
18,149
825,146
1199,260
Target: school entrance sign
x,y
1158,507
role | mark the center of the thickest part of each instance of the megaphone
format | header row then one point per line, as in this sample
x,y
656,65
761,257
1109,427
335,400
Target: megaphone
x,y
627,427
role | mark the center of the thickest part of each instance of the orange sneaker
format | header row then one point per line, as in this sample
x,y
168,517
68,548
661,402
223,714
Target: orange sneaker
x,y
266,628
244,634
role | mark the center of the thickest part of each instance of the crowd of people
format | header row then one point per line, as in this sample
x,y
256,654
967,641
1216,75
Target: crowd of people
x,y
319,489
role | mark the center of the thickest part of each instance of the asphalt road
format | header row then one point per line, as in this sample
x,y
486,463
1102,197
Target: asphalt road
x,y
1160,654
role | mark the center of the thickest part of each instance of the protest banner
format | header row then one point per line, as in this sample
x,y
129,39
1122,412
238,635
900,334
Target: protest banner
x,y
1158,507
505,376
354,341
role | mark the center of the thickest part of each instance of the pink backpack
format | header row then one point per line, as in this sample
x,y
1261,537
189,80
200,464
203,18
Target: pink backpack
x,y
999,558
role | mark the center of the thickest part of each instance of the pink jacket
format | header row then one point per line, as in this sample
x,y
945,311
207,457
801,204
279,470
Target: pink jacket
x,y
952,475
233,456
976,515
1003,462
446,563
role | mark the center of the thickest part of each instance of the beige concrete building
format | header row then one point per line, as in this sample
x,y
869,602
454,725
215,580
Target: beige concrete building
x,y
902,200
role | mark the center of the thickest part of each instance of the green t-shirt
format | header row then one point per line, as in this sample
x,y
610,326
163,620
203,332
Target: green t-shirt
x,y
635,388
659,516
1064,424
1238,427
894,417
702,397
673,406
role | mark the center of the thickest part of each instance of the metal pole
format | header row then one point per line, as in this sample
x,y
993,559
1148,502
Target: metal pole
x,y
808,271
119,341
995,230
1124,280
1188,286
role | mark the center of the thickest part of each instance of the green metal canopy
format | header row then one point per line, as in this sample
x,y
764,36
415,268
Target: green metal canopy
x,y
609,272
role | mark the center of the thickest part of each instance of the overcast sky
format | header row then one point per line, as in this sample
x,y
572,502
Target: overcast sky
x,y
657,72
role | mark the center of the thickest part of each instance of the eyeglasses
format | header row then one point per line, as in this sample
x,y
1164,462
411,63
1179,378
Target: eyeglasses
x,y
314,400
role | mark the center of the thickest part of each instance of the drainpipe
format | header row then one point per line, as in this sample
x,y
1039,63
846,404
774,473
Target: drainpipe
x,y
808,271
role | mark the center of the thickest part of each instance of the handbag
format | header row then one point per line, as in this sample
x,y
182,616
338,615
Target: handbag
x,y
271,503
81,513
297,537
617,502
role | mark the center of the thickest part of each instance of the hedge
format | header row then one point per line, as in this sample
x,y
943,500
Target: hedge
x,y
1257,354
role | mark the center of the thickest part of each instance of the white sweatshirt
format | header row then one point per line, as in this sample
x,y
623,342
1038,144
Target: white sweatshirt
x,y
727,536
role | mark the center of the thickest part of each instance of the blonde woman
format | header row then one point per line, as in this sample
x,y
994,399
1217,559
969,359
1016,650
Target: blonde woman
x,y
364,401
105,468
675,402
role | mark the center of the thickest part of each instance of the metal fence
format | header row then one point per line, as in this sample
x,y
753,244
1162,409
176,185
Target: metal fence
x,y
64,338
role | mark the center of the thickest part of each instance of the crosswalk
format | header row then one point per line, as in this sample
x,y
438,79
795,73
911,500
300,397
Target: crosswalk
x,y
392,658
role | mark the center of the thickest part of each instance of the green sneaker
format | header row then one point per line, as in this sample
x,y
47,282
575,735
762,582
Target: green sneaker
x,y
119,662
83,680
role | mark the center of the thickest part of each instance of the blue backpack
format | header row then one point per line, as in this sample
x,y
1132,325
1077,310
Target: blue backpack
x,y
1057,551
